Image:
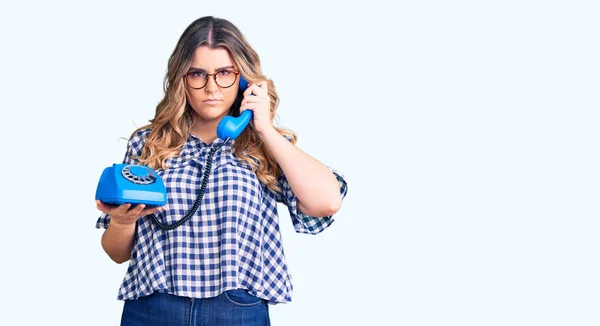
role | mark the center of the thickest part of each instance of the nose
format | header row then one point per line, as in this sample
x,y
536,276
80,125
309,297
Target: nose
x,y
211,85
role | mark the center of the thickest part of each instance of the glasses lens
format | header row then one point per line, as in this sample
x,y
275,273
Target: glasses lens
x,y
197,79
225,78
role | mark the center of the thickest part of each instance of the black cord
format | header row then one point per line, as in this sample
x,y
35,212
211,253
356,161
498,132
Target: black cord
x,y
194,208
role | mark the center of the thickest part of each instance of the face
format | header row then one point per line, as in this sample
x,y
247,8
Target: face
x,y
211,102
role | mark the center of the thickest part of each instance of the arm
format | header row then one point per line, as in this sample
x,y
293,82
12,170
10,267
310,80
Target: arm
x,y
315,186
117,240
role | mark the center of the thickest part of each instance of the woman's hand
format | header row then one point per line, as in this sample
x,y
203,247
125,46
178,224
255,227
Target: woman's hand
x,y
260,104
124,214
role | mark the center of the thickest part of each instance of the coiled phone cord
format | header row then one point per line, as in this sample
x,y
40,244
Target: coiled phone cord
x,y
194,208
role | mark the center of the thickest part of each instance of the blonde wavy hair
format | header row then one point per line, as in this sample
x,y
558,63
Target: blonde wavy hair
x,y
173,117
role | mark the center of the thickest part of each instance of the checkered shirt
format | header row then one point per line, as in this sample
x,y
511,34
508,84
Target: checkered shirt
x,y
233,241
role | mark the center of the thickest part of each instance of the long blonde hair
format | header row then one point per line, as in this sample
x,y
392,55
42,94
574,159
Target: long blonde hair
x,y
173,117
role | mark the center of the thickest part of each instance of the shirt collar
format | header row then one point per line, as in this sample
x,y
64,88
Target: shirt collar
x,y
194,142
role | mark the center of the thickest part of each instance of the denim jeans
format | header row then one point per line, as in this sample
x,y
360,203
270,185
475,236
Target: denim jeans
x,y
233,307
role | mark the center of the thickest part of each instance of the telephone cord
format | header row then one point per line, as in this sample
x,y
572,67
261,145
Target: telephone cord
x,y
203,185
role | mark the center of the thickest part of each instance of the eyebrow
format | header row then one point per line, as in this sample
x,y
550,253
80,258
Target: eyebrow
x,y
204,70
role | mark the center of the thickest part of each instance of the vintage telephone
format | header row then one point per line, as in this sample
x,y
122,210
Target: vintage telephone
x,y
137,184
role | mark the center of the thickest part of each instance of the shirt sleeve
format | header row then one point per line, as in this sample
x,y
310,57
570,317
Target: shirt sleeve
x,y
134,149
304,223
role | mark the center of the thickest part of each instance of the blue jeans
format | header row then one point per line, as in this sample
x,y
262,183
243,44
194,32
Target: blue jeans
x,y
233,307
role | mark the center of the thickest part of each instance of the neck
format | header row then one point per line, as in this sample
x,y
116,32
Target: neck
x,y
205,130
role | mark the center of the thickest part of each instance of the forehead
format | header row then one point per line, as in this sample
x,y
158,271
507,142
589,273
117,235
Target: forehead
x,y
207,58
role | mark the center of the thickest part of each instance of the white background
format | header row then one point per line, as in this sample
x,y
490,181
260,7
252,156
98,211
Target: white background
x,y
467,131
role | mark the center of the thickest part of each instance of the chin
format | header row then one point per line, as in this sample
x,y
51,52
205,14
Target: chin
x,y
210,113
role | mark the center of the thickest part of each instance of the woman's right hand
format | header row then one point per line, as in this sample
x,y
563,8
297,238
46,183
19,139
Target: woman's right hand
x,y
124,214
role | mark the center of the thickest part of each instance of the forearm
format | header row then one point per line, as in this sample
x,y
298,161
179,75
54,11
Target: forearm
x,y
313,183
117,241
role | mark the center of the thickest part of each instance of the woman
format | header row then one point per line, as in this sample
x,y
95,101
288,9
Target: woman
x,y
213,254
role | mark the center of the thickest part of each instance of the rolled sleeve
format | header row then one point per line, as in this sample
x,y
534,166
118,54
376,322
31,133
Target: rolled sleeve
x,y
134,149
304,223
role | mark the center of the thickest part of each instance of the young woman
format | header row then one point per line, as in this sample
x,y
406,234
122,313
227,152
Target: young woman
x,y
213,254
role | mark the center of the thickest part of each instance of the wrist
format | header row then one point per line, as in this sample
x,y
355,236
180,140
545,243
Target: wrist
x,y
267,132
121,226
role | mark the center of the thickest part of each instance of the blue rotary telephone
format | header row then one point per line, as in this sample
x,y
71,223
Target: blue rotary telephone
x,y
137,184
131,184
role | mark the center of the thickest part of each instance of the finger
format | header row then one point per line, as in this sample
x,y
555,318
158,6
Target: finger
x,y
138,209
249,91
99,203
101,207
105,207
153,210
250,99
263,89
122,209
248,106
256,89
262,85
254,99
244,108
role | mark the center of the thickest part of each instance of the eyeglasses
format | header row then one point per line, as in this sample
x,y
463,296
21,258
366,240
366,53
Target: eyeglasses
x,y
223,78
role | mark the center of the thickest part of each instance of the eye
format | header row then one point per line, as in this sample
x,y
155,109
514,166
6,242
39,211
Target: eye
x,y
223,73
197,74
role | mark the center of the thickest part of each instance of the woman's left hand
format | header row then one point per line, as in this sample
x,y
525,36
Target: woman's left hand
x,y
260,104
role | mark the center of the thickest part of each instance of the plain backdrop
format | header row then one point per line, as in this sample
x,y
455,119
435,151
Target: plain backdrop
x,y
467,132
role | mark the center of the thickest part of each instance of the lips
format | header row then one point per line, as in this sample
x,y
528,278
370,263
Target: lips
x,y
211,101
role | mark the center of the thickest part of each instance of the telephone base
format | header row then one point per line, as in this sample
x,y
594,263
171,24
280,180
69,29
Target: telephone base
x,y
131,184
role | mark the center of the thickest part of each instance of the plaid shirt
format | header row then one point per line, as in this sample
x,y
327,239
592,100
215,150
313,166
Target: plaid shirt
x,y
233,241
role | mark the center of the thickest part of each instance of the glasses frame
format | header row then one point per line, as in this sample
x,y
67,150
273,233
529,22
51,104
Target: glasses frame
x,y
236,73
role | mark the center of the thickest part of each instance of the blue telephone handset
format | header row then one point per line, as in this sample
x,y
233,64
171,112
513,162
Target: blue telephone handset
x,y
231,127
136,184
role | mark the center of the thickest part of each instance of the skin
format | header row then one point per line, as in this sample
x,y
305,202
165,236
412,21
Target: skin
x,y
313,183
209,114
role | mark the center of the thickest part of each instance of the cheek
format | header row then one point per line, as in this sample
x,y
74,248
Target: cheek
x,y
193,98
229,96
